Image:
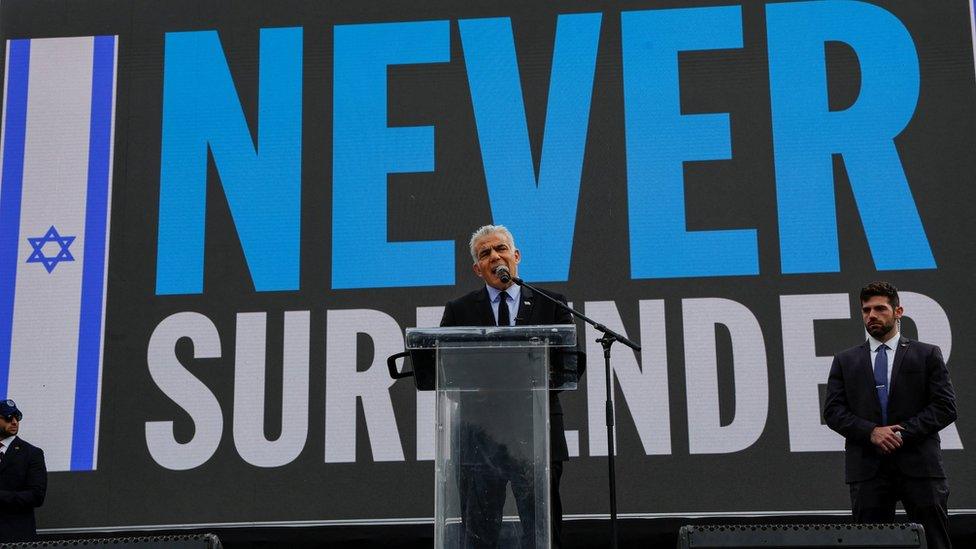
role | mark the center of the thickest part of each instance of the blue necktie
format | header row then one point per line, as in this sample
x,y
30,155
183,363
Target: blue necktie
x,y
881,381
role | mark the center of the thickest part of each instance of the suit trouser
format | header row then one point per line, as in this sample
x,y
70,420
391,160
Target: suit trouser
x,y
483,501
925,500
8,535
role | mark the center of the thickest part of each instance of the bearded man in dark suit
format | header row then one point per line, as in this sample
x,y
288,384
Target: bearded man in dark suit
x,y
505,303
23,478
889,397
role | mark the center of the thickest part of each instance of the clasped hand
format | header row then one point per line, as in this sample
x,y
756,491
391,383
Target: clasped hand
x,y
887,438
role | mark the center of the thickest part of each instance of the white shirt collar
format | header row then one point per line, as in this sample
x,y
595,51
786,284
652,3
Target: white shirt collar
x,y
891,343
514,292
8,441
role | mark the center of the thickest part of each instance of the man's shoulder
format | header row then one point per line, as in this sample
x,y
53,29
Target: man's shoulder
x,y
851,352
555,295
920,346
469,297
27,445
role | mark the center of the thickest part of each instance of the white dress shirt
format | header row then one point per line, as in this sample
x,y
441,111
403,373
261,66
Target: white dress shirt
x,y
890,353
514,293
6,443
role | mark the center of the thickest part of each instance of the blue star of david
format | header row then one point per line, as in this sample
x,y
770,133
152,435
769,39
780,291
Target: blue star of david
x,y
37,256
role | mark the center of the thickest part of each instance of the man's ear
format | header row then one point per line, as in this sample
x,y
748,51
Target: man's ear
x,y
899,310
474,267
518,256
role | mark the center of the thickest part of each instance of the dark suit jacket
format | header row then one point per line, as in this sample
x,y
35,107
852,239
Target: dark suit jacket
x,y
23,483
920,399
474,309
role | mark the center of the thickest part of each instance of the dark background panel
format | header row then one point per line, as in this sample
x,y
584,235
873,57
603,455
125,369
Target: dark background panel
x,y
448,204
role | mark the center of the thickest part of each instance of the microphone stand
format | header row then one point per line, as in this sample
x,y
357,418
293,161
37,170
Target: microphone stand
x,y
608,339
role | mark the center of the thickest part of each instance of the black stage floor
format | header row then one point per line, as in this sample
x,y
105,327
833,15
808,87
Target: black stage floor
x,y
656,533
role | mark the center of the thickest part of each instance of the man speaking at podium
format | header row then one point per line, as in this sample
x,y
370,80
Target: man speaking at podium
x,y
506,304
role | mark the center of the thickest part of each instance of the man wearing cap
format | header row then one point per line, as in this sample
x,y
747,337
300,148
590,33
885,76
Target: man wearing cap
x,y
23,478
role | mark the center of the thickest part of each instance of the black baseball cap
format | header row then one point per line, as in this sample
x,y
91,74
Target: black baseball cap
x,y
8,409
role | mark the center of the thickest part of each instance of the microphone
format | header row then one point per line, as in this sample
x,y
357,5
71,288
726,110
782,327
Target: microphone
x,y
503,274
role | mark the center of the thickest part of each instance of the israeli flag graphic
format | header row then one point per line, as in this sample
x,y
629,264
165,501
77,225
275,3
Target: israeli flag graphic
x,y
55,196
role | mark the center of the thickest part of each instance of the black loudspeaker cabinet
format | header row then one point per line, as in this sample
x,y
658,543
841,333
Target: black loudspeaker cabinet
x,y
810,536
188,541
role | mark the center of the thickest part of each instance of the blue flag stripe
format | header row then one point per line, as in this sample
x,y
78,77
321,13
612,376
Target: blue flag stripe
x,y
18,67
93,273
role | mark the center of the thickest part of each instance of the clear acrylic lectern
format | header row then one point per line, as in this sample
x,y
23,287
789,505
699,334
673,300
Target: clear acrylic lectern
x,y
492,432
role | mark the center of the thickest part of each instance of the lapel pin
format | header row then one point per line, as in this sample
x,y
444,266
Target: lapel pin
x,y
526,303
